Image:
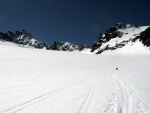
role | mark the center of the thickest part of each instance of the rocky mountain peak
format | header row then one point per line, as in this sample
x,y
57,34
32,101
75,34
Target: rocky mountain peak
x,y
145,37
23,38
117,36
23,32
66,46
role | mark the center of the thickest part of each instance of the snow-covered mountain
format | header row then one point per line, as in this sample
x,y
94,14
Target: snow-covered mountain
x,y
121,36
66,46
41,81
23,38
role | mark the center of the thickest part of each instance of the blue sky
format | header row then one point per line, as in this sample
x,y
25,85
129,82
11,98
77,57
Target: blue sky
x,y
75,21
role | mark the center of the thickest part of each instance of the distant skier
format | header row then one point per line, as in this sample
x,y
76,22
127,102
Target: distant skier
x,y
116,68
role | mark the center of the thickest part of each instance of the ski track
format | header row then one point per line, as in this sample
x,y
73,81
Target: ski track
x,y
88,100
124,99
84,107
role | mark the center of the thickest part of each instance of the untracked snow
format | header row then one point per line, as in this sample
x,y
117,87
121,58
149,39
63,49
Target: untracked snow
x,y
40,81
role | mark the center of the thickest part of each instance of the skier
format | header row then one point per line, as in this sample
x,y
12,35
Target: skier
x,y
116,68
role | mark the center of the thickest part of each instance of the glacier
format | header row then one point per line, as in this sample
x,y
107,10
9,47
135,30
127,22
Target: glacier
x,y
41,81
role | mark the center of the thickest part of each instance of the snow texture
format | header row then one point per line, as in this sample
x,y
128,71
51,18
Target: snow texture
x,y
40,81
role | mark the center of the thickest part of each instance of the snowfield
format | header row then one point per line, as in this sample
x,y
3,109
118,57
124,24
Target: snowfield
x,y
41,81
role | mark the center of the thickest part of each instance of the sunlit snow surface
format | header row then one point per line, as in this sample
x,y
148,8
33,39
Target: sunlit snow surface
x,y
41,81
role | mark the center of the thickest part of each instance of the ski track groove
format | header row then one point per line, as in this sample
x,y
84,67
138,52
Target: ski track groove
x,y
137,104
124,99
127,99
40,98
88,100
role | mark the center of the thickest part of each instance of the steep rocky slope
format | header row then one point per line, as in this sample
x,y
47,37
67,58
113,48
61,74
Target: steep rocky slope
x,y
66,46
23,38
119,36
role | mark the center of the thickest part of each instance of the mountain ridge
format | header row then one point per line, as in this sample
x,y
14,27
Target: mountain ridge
x,y
115,37
119,36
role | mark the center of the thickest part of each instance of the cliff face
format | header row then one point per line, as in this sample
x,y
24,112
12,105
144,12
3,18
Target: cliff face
x,y
145,37
23,38
119,36
66,46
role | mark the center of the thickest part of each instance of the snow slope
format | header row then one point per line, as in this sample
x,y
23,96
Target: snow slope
x,y
40,81
120,37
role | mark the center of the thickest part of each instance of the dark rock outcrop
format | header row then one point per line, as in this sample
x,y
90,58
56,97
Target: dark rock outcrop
x,y
118,31
108,35
145,37
22,37
9,36
66,46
